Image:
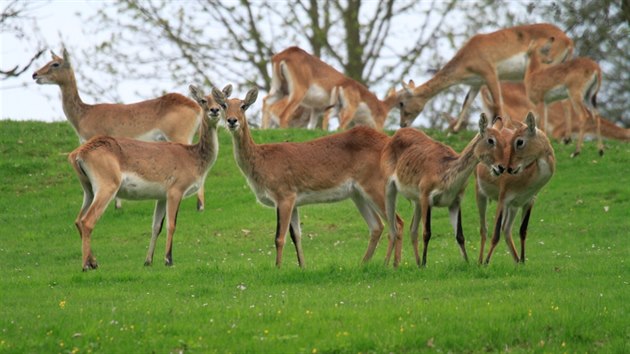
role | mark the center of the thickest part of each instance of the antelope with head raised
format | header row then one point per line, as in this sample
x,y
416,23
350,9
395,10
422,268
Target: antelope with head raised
x,y
559,114
484,59
131,169
531,165
301,79
431,174
288,175
578,80
172,117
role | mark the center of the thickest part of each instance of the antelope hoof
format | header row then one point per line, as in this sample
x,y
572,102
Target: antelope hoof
x,y
200,206
601,152
168,262
566,141
574,154
148,263
90,265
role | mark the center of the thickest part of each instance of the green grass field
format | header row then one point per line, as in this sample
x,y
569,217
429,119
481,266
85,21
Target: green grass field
x,y
224,293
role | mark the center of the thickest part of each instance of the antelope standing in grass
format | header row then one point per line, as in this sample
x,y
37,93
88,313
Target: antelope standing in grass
x,y
172,117
531,165
130,169
577,79
559,114
288,175
300,79
431,174
484,60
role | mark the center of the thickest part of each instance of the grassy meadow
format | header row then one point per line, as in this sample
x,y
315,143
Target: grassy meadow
x,y
224,294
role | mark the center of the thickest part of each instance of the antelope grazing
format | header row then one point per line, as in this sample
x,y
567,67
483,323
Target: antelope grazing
x,y
172,117
531,165
138,170
431,174
287,175
307,81
484,60
517,105
577,79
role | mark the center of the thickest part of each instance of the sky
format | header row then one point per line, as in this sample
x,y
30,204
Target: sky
x,y
22,98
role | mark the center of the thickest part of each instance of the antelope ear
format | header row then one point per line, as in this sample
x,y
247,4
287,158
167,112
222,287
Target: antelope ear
x,y
483,124
250,98
196,93
531,123
54,56
497,122
227,90
408,88
66,57
218,96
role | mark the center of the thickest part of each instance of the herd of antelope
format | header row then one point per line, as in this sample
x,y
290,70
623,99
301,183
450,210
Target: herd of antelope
x,y
144,151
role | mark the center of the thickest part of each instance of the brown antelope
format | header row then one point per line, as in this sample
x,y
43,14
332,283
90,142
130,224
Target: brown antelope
x,y
302,117
531,165
288,175
517,105
577,79
139,170
355,107
484,60
172,117
431,174
301,79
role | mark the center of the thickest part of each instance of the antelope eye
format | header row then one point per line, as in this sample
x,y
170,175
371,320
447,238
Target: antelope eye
x,y
491,141
519,143
55,65
400,104
204,101
223,105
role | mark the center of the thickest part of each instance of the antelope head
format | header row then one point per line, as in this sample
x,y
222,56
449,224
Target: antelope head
x,y
490,150
55,71
525,147
235,108
409,103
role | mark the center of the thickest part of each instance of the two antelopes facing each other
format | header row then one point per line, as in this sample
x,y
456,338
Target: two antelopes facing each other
x,y
109,167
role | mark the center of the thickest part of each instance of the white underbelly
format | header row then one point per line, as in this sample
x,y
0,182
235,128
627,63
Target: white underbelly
x,y
316,97
135,187
152,135
513,68
335,194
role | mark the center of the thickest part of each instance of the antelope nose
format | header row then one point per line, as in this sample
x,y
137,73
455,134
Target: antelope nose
x,y
510,170
501,168
231,121
34,75
214,111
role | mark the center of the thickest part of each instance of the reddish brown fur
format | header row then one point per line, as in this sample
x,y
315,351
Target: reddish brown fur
x,y
432,174
517,105
476,64
165,171
531,166
288,175
294,71
172,117
580,77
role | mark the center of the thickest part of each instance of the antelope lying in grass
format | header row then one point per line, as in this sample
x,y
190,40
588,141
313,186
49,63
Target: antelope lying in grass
x,y
130,169
332,168
172,117
531,165
431,174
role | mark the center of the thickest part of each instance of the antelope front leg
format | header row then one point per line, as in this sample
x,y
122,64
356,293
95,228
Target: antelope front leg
x,y
172,207
426,231
283,220
296,235
158,222
455,214
508,222
413,231
482,203
497,231
527,210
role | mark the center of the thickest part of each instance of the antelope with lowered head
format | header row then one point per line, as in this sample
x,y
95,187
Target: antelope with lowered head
x,y
531,166
172,117
432,174
131,169
288,175
485,59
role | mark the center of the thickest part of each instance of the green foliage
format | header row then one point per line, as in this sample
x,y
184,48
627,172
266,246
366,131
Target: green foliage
x,y
224,294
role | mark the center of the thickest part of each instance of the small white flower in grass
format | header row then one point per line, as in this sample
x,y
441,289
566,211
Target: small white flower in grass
x,y
241,287
606,208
